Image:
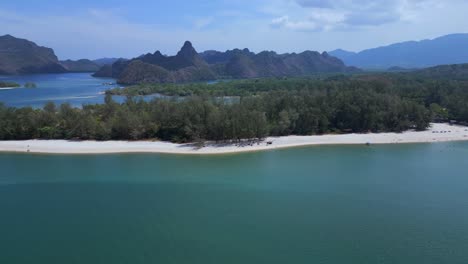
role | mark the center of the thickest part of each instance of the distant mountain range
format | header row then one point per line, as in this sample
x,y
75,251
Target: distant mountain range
x,y
20,56
105,61
188,65
85,65
450,49
82,65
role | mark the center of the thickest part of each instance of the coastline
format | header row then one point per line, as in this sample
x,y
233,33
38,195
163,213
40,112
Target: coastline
x,y
436,133
9,88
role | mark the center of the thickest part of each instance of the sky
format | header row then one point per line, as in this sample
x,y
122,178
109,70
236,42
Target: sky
x,y
116,28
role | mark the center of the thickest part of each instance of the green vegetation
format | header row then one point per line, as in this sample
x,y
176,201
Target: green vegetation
x,y
395,83
8,85
30,85
265,107
16,85
222,88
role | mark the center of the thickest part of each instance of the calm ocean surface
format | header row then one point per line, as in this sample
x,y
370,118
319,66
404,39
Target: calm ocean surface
x,y
379,204
74,88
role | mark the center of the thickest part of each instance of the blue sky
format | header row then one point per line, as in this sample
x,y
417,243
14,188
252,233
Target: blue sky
x,y
118,28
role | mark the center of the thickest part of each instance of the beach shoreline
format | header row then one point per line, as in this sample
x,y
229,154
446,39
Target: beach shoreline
x,y
9,88
436,133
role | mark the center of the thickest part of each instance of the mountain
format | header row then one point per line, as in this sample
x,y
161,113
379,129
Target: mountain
x,y
189,66
20,56
218,57
343,54
186,66
83,65
186,57
450,49
106,61
245,64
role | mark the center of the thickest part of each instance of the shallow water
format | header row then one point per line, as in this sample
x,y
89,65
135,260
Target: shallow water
x,y
74,88
379,204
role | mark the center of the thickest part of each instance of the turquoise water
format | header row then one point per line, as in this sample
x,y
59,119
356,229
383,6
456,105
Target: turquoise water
x,y
379,204
74,88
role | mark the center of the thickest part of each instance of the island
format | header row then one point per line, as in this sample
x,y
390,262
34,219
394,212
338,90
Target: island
x,y
252,114
13,85
8,85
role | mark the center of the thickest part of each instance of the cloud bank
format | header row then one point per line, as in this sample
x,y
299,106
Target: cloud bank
x,y
326,15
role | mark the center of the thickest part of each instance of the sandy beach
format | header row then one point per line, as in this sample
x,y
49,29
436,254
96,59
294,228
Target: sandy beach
x,y
9,88
437,133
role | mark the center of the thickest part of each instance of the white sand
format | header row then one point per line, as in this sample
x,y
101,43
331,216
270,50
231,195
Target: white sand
x,y
9,88
437,133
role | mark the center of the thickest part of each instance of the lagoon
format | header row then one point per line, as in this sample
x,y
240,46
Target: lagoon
x,y
73,88
327,204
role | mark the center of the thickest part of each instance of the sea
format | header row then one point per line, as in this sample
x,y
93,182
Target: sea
x,y
77,89
325,204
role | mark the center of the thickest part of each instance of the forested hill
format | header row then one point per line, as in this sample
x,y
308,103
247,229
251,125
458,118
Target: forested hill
x,y
446,72
20,56
189,66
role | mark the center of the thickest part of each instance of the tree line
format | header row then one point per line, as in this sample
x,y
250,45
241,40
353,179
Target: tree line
x,y
446,98
264,107
195,118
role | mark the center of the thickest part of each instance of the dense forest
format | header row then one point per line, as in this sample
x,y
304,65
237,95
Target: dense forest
x,y
263,107
442,78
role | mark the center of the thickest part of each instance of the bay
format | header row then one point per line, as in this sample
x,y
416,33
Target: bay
x,y
73,88
331,204
77,89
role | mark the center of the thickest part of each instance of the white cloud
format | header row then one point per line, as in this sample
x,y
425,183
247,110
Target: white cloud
x,y
203,22
316,21
285,22
349,14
